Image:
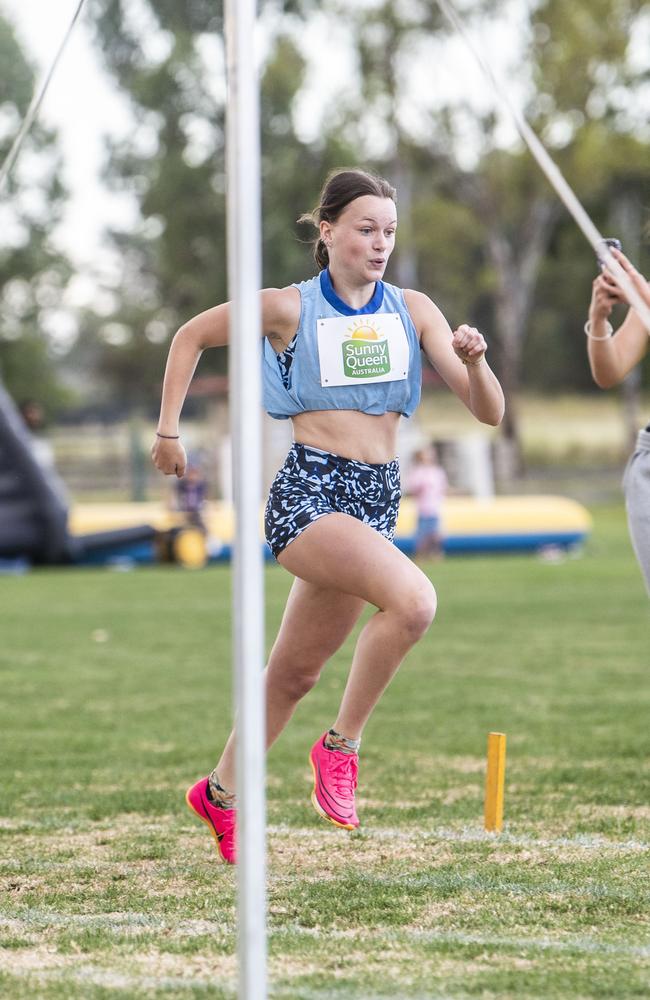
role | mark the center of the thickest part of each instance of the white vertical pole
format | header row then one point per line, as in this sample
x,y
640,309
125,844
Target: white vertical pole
x,y
244,277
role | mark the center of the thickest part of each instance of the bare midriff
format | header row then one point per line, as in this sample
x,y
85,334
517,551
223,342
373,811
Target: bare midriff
x,y
363,437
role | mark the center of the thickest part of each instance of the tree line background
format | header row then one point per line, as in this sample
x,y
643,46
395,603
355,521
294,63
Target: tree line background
x,y
480,230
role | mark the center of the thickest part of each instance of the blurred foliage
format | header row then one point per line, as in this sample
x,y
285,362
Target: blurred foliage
x,y
33,273
494,245
489,241
175,264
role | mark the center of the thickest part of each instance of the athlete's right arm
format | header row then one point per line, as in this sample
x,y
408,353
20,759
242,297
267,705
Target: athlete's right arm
x,y
280,309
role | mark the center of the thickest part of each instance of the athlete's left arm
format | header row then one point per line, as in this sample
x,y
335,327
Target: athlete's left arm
x,y
459,357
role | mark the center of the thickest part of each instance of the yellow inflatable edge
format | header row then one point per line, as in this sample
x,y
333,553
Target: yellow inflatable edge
x,y
506,515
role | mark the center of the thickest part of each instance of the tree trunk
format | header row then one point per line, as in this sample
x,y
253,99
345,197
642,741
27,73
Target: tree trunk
x,y
508,451
406,265
516,268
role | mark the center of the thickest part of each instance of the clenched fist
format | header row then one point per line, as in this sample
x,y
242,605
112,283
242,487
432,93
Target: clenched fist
x,y
169,456
469,344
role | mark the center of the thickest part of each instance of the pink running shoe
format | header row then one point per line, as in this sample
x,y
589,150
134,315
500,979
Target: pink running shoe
x,y
222,822
335,779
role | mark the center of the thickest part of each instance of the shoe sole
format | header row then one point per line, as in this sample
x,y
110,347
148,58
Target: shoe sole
x,y
319,809
210,827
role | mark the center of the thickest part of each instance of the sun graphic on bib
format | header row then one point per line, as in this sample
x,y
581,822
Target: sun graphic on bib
x,y
365,351
363,331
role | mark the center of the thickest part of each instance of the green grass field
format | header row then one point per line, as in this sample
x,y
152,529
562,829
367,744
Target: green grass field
x,y
116,694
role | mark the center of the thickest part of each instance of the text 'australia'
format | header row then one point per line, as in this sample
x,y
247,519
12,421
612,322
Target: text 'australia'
x,y
366,359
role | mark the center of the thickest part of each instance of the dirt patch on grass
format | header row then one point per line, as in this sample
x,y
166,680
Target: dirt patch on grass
x,y
436,912
567,852
541,856
159,964
149,970
444,764
136,879
90,842
402,805
319,853
35,959
452,795
620,812
123,923
462,968
12,824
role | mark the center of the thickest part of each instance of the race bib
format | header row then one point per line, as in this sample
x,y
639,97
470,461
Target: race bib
x,y
362,349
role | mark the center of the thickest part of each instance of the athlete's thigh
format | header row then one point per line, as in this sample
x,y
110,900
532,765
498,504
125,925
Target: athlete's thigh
x,y
316,622
342,553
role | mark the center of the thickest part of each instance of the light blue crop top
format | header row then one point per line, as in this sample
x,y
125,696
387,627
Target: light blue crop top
x,y
292,380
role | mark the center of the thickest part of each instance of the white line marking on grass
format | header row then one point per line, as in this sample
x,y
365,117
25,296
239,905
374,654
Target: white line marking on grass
x,y
467,834
189,928
580,944
588,842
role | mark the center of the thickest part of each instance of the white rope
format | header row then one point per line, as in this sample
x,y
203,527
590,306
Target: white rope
x,y
552,171
33,109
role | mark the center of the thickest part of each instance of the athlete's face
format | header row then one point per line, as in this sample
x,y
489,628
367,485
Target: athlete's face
x,y
362,238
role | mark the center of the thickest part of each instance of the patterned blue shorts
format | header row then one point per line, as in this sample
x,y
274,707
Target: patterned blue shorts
x,y
312,483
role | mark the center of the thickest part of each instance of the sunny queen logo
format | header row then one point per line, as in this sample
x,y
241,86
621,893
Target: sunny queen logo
x,y
365,354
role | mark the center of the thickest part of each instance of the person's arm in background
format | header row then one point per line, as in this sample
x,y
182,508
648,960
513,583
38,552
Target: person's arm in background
x,y
611,358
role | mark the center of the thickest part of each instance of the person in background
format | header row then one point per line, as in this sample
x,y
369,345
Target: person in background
x,y
612,356
34,418
190,495
427,483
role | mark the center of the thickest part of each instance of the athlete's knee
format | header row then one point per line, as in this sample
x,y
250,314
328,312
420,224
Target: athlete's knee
x,y
292,681
418,608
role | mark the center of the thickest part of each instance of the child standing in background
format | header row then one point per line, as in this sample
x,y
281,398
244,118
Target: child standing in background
x,y
428,484
191,493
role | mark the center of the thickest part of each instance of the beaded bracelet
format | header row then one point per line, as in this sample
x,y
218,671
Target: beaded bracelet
x,y
608,326
168,437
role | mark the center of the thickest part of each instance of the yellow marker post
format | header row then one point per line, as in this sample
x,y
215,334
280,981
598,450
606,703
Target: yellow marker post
x,y
495,781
